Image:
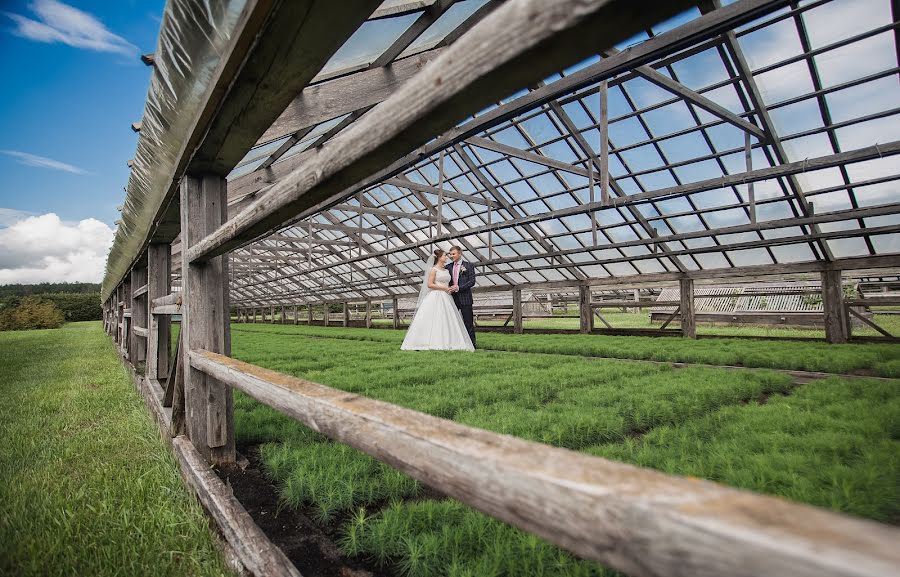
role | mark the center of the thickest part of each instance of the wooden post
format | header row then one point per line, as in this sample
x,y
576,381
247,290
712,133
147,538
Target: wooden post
x,y
309,314
517,311
272,314
159,284
688,326
346,321
127,320
396,311
296,312
636,293
283,318
584,307
205,320
368,314
325,314
836,322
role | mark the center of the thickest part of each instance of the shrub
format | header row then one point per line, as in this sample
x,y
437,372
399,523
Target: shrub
x,y
76,306
31,313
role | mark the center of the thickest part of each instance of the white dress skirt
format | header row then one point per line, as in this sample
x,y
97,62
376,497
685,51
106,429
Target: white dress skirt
x,y
437,324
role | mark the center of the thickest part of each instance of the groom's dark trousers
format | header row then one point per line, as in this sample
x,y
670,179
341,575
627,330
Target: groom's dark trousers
x,y
463,297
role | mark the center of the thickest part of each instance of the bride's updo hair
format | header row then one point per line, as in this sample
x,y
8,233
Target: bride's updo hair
x,y
438,253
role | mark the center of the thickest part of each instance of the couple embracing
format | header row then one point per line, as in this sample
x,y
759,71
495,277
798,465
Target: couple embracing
x,y
443,318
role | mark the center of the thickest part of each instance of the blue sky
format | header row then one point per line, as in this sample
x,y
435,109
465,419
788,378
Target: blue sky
x,y
73,105
73,84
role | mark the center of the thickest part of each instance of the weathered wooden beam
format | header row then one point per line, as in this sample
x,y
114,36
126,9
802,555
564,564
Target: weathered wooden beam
x,y
138,342
631,519
836,322
517,311
383,212
140,291
403,182
159,272
519,43
584,309
686,307
205,320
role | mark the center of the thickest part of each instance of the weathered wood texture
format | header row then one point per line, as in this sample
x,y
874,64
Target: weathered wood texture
x,y
584,309
159,283
138,338
253,548
836,323
205,320
686,308
519,43
636,520
517,311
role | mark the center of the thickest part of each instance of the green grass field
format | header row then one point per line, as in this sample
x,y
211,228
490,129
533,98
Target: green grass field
x,y
87,486
832,443
871,359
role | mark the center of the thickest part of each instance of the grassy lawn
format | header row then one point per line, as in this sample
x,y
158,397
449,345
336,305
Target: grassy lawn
x,y
831,443
874,359
87,487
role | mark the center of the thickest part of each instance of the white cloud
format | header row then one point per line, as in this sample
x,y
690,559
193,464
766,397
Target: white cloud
x,y
46,249
10,216
29,159
58,22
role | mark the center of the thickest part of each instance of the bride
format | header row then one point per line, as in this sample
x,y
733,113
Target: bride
x,y
436,324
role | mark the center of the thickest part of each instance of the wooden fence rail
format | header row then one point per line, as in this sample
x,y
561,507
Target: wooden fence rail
x,y
636,520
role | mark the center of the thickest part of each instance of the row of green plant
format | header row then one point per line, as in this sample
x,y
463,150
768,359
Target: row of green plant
x,y
87,487
873,359
31,313
582,404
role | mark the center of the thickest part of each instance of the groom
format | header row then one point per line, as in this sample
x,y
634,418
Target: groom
x,y
462,279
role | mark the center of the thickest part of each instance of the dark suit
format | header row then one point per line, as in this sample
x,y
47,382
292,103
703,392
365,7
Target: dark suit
x,y
463,297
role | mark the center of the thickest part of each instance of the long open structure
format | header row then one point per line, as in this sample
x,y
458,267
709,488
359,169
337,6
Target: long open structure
x,y
300,154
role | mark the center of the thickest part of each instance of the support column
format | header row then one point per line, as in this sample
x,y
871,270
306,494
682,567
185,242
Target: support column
x,y
368,314
686,291
159,284
584,308
205,320
517,311
636,294
283,318
396,312
346,320
325,314
309,314
272,314
836,322
296,312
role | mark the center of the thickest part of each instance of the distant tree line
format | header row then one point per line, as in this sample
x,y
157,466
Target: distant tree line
x,y
47,305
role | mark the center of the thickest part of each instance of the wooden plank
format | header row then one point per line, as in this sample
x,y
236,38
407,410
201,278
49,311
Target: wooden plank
x,y
836,323
584,309
139,309
175,379
517,311
519,43
205,311
631,519
686,308
403,182
253,548
169,299
140,291
159,281
167,310
670,318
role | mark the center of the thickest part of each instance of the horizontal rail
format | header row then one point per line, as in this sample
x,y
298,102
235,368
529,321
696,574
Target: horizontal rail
x,y
140,331
627,303
872,302
639,521
140,291
169,299
166,310
126,313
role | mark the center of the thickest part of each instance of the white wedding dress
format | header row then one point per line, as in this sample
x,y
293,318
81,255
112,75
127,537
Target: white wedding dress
x,y
437,324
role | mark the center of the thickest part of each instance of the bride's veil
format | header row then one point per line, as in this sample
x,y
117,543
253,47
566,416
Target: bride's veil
x,y
424,290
